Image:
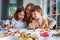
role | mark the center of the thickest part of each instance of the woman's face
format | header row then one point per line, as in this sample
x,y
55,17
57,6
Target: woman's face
x,y
28,10
21,15
36,15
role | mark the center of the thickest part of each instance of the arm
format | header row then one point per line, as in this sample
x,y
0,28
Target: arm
x,y
6,24
51,22
32,25
13,23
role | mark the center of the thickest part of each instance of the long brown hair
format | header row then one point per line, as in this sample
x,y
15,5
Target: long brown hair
x,y
28,18
19,9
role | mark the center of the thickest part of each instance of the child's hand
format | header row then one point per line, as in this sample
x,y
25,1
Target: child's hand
x,y
44,22
32,26
48,29
15,26
4,24
6,28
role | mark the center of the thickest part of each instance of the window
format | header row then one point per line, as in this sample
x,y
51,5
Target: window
x,y
12,9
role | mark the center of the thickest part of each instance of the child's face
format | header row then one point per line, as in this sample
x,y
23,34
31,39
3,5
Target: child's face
x,y
36,15
21,15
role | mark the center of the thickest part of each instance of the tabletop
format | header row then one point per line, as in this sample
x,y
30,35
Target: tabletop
x,y
50,37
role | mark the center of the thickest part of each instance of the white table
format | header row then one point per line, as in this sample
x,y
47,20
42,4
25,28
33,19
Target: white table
x,y
31,31
10,38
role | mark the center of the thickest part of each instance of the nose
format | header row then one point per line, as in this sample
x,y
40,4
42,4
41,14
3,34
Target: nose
x,y
33,15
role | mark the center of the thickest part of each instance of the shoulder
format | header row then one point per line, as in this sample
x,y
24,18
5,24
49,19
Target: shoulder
x,y
7,20
13,20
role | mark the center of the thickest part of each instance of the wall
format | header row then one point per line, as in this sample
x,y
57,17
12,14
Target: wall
x,y
12,1
0,8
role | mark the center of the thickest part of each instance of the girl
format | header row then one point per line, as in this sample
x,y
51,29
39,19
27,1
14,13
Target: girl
x,y
38,21
18,20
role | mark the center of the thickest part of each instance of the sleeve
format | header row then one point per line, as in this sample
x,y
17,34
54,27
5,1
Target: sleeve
x,y
51,22
8,21
13,21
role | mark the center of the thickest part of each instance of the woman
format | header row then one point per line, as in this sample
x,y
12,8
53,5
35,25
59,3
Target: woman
x,y
27,14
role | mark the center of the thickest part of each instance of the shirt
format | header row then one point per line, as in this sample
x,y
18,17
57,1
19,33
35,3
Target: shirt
x,y
19,22
38,22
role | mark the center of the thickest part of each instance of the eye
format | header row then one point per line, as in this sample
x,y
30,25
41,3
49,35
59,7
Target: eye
x,y
27,9
19,14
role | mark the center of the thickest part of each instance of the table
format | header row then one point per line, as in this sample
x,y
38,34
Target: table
x,y
10,38
50,37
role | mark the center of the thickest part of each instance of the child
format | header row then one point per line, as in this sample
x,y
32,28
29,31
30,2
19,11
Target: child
x,y
38,21
17,21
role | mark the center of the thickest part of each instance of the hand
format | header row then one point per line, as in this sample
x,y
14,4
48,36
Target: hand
x,y
15,26
4,25
44,21
32,26
6,28
47,29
